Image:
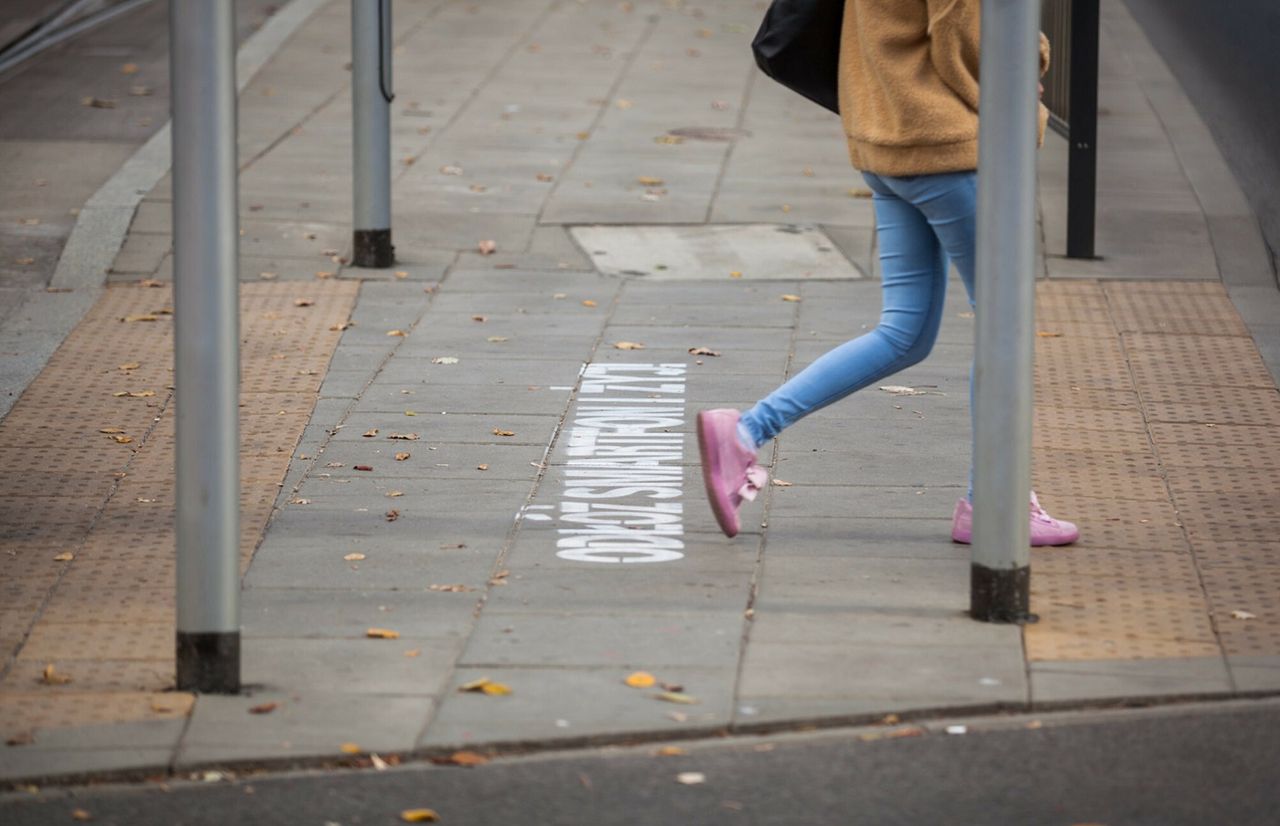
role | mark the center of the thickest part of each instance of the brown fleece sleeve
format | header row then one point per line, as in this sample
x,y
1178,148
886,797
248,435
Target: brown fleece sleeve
x,y
955,30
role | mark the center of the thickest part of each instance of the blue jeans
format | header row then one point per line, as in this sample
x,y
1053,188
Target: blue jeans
x,y
922,221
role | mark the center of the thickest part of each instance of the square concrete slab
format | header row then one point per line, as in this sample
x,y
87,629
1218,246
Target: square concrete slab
x,y
1056,681
573,704
687,253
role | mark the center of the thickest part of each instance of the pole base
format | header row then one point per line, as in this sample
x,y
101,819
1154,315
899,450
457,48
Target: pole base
x,y
209,663
1000,595
373,248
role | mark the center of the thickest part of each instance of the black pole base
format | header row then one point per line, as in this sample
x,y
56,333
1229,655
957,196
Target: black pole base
x,y
372,248
1000,595
209,663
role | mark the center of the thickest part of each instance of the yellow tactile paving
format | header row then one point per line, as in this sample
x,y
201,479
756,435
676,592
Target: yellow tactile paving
x,y
1171,473
105,618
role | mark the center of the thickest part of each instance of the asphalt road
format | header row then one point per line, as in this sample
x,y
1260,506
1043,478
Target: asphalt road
x,y
1204,765
1225,56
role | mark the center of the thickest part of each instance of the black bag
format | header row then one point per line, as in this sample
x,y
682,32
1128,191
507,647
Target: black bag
x,y
798,45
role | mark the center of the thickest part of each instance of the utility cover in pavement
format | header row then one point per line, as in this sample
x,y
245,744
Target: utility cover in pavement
x,y
706,252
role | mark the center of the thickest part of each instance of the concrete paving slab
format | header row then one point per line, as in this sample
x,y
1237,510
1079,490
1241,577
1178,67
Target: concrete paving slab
x,y
923,538
296,612
358,667
34,765
419,474
758,251
632,639
576,704
316,723
1065,681
533,400
1254,673
795,583
471,428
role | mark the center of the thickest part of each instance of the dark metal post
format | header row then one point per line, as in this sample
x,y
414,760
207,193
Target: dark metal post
x,y
1000,578
206,343
371,132
1082,168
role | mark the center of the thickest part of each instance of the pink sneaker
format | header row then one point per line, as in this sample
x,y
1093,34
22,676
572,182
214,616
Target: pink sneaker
x,y
729,470
1045,530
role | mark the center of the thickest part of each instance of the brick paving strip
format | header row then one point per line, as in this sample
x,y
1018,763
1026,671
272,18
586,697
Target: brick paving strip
x,y
87,501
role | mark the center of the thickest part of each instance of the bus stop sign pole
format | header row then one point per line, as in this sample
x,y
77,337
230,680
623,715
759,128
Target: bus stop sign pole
x,y
1000,576
206,343
371,132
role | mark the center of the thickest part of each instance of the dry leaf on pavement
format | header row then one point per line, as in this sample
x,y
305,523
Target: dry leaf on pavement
x,y
488,247
703,351
671,751
1243,615
455,588
354,557
134,394
486,686
641,679
394,494
691,778
65,556
263,708
444,360
81,814
399,333
1047,334
304,302
349,748
628,345
402,455
370,433
497,431
382,634
419,816
778,483
393,515
49,676
647,180
407,437
365,468
461,758
678,697
587,302
790,297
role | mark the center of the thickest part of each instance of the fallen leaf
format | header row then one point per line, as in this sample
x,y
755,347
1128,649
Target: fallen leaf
x,y
365,468
466,758
338,328
323,274
354,557
678,697
268,276
544,177
124,440
402,273
456,588
641,679
890,720
703,351
450,169
349,748
399,333
444,360
497,339
860,192
393,494
778,483
691,778
646,180
378,763
665,686
735,273
482,467
410,413
901,390
333,464
497,431
129,69
628,345
586,302
97,103
1243,615
140,91
24,261
419,816
413,652
263,708
140,317
80,814
495,689
382,634
487,247
791,298
49,676
500,578
110,430
134,394
65,556
1047,334
404,437
392,515
401,456
671,751
452,546
370,433
298,500
304,302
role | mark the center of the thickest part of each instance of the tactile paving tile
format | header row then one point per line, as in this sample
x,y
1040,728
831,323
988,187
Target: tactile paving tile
x,y
1265,454
1098,474
1110,522
1131,605
1177,361
110,610
1082,419
1250,588
1243,491
1195,309
1211,405
1075,397
1086,306
1166,434
52,707
1068,437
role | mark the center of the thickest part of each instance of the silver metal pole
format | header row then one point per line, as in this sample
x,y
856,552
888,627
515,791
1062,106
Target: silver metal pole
x,y
371,127
1000,579
206,343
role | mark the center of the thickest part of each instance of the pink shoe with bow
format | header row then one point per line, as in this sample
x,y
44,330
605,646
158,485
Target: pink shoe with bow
x,y
729,468
1045,530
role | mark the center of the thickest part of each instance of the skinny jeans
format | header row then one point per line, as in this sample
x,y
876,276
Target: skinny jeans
x,y
922,222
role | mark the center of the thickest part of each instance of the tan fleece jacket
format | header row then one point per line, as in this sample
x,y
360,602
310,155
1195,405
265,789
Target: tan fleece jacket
x,y
909,85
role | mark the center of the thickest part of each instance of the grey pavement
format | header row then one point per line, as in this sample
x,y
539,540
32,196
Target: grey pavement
x,y
526,545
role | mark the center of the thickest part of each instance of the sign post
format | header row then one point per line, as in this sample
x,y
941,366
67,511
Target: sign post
x,y
371,131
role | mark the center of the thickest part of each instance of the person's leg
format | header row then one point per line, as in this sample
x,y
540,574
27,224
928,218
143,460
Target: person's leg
x,y
913,286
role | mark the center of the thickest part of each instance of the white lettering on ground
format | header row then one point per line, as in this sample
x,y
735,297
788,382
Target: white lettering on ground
x,y
623,479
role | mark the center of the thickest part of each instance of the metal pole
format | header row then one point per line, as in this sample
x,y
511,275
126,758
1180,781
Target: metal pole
x,y
371,126
1082,164
206,343
1000,577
